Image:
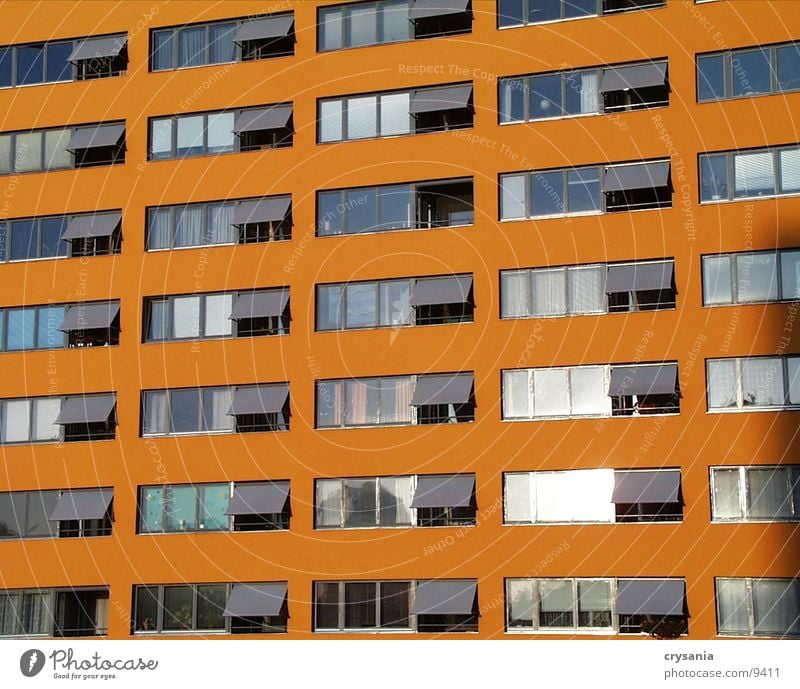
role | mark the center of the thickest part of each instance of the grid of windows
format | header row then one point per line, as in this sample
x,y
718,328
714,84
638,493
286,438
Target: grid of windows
x,y
753,383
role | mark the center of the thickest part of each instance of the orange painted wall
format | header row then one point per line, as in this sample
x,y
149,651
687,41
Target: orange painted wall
x,y
694,440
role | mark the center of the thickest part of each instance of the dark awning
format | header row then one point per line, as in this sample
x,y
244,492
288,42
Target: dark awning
x,y
633,77
259,399
92,225
444,491
437,99
91,48
86,409
634,277
256,600
454,388
445,598
259,498
651,596
96,137
643,380
636,176
260,119
260,304
268,209
89,316
268,27
422,9
646,486
82,504
441,291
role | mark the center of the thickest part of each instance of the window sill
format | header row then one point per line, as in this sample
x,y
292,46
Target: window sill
x,y
756,521
213,338
399,229
403,527
558,216
771,302
725,99
567,632
196,156
395,136
557,118
390,328
218,532
364,631
597,523
227,63
393,425
745,410
738,199
596,416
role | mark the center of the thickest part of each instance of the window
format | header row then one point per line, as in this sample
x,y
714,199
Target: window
x,y
240,409
40,420
96,324
212,608
32,327
758,607
69,60
395,113
574,191
764,173
409,606
396,400
235,40
420,205
748,383
754,277
748,72
70,612
577,391
226,131
583,92
524,12
755,493
246,221
612,606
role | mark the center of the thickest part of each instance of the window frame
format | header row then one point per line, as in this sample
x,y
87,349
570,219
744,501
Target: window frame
x,y
733,258
738,365
601,11
744,493
750,583
52,595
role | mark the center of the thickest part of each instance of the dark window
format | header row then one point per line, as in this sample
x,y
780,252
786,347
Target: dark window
x,y
446,516
434,624
6,66
30,64
446,413
628,405
99,430
667,626
78,613
58,67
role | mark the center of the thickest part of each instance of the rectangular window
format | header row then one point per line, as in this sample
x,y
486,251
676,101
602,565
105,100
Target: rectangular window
x,y
753,383
755,493
511,13
758,607
166,509
757,277
73,612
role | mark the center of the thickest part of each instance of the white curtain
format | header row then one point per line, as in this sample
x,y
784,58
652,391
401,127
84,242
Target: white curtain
x,y
362,117
329,403
329,503
395,117
220,224
191,47
518,497
762,382
556,596
217,315
590,90
395,497
790,170
155,412
589,391
186,317
46,412
9,614
717,280
512,202
395,309
219,405
732,606
586,289
16,421
517,398
189,226
776,605
726,486
158,229
395,400
330,120
37,613
549,292
721,384
514,293
550,392
28,152
754,175
757,277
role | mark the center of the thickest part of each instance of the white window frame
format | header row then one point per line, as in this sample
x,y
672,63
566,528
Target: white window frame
x,y
740,406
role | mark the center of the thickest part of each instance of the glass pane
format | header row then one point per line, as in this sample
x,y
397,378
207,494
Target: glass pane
x,y
40,505
217,315
5,154
551,392
543,10
395,117
46,412
547,193
52,244
754,174
12,515
556,604
220,132
210,606
24,240
789,67
790,170
793,371
58,66
30,64
362,402
594,604
220,227
395,400
553,497
514,292
28,151
762,382
512,100
361,305
520,603
511,12
146,608
214,502
721,384
756,277
6,66
362,210
158,320
362,25
394,299
582,92
360,503
518,498
549,292
517,399
180,508
359,605
776,606
361,117
328,305
589,392
395,497
545,96
751,72
579,8
37,614
395,21
329,503
330,213
192,47
330,403
56,154
330,120
769,493
717,280
727,494
216,405
713,178
186,318
590,495
155,412
732,606
162,50
395,598
586,289
326,605
583,190
48,335
190,135
151,509
178,607
161,138
20,325
330,29
710,77
395,203
189,225
184,408
222,47
512,202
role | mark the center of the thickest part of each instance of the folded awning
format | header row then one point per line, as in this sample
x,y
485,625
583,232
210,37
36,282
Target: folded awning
x,y
441,291
268,27
82,504
86,409
635,277
96,137
445,598
636,176
455,388
646,487
92,48
259,399
422,9
92,225
269,209
438,99
89,316
651,596
633,77
260,119
444,491
260,304
259,498
256,600
643,380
